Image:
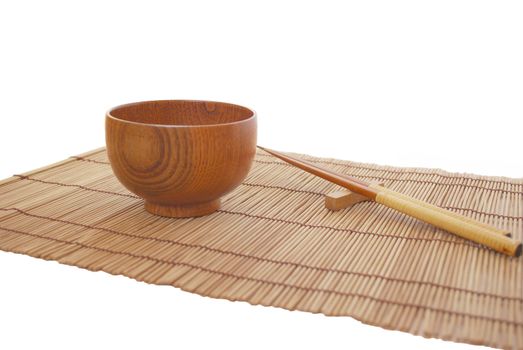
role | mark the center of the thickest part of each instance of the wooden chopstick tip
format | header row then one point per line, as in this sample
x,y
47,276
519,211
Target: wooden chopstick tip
x,y
519,250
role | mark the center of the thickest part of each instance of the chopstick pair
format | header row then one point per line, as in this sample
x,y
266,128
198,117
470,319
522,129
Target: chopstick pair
x,y
460,225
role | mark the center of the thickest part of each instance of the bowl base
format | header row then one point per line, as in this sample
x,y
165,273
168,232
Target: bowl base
x,y
183,211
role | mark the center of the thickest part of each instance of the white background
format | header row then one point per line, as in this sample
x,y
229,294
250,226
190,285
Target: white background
x,y
409,83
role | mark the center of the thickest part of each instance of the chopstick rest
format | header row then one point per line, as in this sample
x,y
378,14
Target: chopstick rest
x,y
457,224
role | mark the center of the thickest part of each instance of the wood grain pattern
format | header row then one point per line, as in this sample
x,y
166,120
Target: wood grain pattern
x,y
181,156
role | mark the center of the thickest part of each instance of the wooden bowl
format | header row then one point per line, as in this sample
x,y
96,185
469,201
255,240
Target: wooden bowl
x,y
180,156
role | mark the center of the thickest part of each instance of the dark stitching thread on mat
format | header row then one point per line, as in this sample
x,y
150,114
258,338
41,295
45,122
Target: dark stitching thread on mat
x,y
321,194
397,171
88,160
382,178
460,242
25,177
267,218
281,284
511,217
254,257
416,181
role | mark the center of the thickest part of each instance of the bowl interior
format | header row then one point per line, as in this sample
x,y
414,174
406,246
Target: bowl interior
x,y
181,112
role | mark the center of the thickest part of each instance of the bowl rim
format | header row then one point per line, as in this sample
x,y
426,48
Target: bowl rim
x,y
246,120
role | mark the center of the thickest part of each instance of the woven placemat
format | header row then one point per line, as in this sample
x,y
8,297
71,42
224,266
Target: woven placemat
x,y
274,243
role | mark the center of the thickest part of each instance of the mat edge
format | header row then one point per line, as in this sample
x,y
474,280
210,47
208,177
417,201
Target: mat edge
x,y
50,166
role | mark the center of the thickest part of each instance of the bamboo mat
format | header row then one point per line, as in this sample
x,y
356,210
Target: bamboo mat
x,y
274,243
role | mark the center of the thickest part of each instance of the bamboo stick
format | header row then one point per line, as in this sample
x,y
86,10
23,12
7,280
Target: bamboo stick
x,y
444,219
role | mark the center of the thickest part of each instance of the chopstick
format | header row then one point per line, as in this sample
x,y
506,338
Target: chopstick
x,y
457,224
